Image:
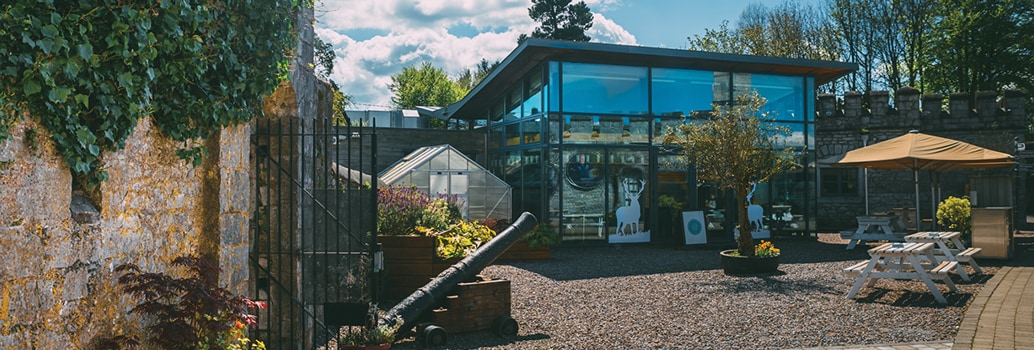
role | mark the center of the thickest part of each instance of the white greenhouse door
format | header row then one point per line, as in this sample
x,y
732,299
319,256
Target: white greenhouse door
x,y
451,183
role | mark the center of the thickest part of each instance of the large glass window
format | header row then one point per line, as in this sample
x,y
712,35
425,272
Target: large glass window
x,y
598,88
785,95
678,92
532,131
533,94
513,134
554,87
795,138
513,104
838,182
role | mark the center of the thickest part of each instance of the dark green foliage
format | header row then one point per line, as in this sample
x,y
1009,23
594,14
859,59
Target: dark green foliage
x,y
89,70
559,20
191,312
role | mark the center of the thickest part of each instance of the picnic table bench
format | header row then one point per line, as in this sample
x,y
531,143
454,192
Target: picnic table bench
x,y
875,228
903,261
942,252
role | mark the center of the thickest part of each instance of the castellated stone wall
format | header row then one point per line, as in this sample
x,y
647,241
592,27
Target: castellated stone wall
x,y
57,283
994,122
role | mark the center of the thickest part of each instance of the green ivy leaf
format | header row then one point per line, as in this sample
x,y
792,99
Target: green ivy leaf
x,y
49,31
32,87
85,51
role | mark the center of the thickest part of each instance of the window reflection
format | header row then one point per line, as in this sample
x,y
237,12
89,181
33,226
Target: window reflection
x,y
598,88
678,92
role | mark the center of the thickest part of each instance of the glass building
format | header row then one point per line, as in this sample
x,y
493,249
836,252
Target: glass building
x,y
576,129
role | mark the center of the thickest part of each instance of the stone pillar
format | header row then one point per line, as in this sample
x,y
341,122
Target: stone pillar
x,y
1015,102
986,106
827,105
906,100
853,104
958,105
878,103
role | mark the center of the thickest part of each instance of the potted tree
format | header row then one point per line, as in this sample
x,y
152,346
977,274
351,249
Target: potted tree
x,y
734,147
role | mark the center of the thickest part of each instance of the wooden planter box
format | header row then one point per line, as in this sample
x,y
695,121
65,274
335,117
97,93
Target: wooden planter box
x,y
409,263
521,251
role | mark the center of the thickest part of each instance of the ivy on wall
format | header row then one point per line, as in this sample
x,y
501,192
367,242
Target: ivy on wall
x,y
89,70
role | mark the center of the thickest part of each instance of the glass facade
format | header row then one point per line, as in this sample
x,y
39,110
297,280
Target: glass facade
x,y
582,146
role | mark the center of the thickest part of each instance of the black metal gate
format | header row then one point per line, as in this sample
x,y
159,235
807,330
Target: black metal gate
x,y
313,246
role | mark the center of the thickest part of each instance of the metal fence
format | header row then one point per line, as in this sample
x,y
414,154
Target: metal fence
x,y
313,244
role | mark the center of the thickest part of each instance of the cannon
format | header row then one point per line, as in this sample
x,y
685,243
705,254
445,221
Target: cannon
x,y
410,310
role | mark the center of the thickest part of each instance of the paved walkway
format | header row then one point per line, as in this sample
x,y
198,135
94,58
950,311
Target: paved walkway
x,y
998,318
1001,316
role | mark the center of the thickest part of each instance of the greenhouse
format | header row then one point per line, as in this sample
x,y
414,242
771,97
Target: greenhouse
x,y
443,170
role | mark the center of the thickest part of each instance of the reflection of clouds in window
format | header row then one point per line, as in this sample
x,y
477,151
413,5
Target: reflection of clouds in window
x,y
794,139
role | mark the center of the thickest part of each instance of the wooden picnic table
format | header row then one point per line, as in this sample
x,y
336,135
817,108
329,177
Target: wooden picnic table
x,y
902,261
942,252
875,228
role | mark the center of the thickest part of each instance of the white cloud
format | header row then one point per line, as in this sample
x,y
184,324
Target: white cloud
x,y
377,38
606,31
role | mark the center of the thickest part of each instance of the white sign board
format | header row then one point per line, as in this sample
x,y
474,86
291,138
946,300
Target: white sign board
x,y
694,227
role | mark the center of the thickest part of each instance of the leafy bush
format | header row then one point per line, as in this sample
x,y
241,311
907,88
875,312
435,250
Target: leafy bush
x,y
460,239
544,234
954,213
191,312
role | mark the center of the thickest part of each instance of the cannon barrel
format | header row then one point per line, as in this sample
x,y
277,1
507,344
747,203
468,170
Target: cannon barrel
x,y
410,309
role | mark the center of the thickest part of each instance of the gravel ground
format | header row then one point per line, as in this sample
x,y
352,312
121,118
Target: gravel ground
x,y
632,297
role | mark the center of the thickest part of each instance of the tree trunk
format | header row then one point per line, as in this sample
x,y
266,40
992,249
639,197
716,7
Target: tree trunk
x,y
745,244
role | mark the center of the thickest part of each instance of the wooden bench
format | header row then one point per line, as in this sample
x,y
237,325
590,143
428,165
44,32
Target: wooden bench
x,y
856,269
942,269
966,256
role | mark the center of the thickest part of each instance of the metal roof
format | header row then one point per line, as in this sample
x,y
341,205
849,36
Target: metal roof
x,y
535,51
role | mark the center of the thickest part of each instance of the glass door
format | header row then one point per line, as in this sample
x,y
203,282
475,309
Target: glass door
x,y
584,193
628,193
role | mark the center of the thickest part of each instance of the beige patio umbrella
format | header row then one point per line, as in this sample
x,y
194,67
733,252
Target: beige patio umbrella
x,y
918,151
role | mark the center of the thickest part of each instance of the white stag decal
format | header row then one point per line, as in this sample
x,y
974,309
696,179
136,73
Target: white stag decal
x,y
629,215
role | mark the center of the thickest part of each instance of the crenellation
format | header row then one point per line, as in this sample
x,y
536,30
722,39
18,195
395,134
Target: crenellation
x,y
992,123
987,105
879,103
958,105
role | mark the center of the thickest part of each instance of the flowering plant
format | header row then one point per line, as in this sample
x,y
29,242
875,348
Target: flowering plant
x,y
401,209
766,249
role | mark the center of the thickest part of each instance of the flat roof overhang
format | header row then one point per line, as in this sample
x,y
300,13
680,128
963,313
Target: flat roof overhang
x,y
535,51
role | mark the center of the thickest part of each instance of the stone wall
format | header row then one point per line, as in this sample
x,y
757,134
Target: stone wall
x,y
395,143
57,284
992,123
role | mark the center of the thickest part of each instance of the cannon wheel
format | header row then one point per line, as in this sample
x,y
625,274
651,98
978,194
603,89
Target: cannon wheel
x,y
505,326
432,335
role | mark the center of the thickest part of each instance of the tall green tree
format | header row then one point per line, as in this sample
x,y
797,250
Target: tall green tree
x,y
983,45
472,77
786,30
560,20
324,55
424,86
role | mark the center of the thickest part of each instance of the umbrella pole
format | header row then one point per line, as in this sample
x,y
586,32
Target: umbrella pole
x,y
919,218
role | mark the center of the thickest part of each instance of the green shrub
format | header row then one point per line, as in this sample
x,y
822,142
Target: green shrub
x,y
954,213
545,234
460,239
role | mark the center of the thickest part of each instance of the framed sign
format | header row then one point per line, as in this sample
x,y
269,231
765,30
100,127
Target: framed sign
x,y
582,172
694,227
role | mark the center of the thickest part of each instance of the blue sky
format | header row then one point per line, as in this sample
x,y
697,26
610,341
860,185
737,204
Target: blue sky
x,y
374,39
